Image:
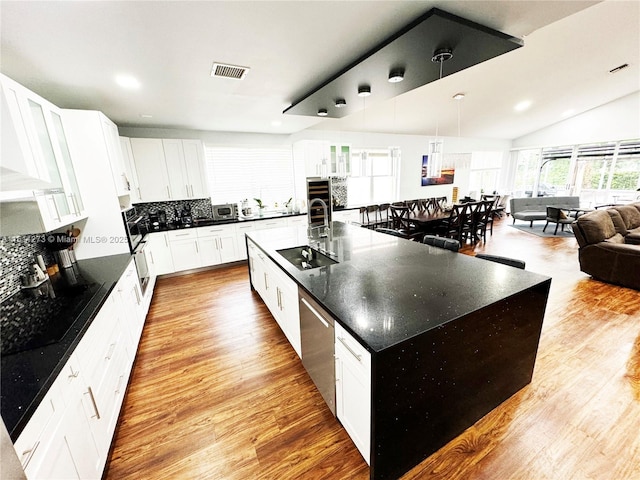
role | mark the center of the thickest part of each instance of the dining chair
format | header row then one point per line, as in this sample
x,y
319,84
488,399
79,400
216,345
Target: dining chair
x,y
512,262
454,225
442,242
557,216
472,220
401,222
372,216
383,215
483,220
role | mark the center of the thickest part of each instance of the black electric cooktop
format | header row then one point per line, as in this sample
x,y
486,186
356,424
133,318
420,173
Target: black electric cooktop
x,y
35,317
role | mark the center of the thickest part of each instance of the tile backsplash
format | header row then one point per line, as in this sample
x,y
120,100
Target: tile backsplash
x,y
16,254
199,208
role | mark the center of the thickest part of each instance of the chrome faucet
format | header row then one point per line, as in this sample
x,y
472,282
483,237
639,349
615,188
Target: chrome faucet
x,y
325,212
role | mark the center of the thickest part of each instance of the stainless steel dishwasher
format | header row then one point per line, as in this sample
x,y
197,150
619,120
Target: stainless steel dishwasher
x,y
318,347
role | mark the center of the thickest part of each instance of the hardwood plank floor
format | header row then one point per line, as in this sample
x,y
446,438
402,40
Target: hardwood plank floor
x,y
218,393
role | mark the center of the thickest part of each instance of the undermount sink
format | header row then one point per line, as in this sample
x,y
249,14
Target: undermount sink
x,y
301,260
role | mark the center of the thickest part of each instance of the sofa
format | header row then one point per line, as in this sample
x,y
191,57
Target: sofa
x,y
609,244
530,209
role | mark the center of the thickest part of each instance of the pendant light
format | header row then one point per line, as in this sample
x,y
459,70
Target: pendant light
x,y
434,166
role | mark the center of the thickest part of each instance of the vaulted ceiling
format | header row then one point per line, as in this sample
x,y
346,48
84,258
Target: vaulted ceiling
x,y
71,51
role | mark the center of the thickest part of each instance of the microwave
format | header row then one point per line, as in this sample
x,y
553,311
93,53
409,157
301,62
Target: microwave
x,y
226,211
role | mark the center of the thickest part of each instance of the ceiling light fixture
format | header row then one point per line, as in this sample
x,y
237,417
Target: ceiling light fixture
x,y
458,96
522,106
322,112
341,102
145,115
396,75
127,81
435,159
364,90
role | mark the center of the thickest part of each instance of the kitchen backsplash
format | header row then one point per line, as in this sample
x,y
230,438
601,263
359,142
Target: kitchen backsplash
x,y
339,191
16,254
199,208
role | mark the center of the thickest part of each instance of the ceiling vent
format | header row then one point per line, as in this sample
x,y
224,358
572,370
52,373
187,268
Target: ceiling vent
x,y
229,71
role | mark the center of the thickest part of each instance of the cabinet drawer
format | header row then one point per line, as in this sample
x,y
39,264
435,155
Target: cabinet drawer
x,y
215,231
353,350
183,234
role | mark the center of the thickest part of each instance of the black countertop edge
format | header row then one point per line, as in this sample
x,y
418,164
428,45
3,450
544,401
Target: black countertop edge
x,y
28,376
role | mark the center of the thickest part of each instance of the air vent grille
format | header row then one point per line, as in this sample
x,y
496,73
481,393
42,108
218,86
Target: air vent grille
x,y
229,71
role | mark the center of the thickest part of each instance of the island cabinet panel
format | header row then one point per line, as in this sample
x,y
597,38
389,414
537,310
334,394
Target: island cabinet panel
x,y
429,389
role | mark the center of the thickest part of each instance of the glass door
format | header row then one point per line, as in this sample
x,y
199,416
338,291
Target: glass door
x,y
73,191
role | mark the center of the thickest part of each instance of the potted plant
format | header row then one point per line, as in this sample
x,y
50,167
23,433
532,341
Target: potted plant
x,y
288,205
261,206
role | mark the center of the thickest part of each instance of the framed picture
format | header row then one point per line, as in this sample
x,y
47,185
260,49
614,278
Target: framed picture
x,y
445,178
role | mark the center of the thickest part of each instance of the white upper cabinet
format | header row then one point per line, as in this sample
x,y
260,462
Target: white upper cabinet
x,y
35,209
322,158
151,169
130,169
169,169
116,159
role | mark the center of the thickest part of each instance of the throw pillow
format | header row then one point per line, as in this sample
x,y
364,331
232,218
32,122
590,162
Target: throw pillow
x,y
562,215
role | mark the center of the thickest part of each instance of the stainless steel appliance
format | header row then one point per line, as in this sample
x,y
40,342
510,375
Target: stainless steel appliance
x,y
226,211
317,333
140,257
135,227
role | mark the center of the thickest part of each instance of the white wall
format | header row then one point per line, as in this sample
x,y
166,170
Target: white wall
x,y
413,147
617,120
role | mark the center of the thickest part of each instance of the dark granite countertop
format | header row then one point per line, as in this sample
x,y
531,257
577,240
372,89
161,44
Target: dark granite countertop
x,y
385,290
28,375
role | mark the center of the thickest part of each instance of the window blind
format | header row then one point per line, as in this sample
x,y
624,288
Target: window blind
x,y
238,172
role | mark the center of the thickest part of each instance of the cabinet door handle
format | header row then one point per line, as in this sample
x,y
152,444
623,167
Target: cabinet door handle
x,y
119,384
266,283
29,453
196,244
74,203
139,195
135,289
181,234
358,356
166,241
315,312
168,192
93,402
55,208
73,374
110,351
152,260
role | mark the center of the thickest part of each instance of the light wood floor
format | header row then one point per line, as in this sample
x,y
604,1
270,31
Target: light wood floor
x,y
218,393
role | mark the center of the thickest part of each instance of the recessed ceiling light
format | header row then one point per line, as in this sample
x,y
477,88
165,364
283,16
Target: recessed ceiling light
x,y
145,115
522,106
322,112
341,102
276,123
458,96
364,90
568,113
127,81
396,75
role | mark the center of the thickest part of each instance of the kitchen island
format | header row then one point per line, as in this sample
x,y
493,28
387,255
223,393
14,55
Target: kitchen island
x,y
450,337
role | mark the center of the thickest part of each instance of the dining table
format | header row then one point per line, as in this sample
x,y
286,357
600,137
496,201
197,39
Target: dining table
x,y
426,221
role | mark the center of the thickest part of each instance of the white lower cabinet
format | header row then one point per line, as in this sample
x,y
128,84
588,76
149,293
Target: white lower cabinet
x,y
70,433
217,244
184,249
279,293
241,229
160,253
353,389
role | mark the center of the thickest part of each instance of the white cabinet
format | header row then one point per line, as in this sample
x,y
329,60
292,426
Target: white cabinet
x,y
116,159
22,167
160,253
151,169
185,166
297,221
353,389
279,293
241,247
70,433
217,244
168,169
323,158
60,204
351,215
130,169
184,249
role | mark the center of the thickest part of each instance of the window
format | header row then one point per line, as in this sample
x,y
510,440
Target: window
x,y
484,175
236,173
373,176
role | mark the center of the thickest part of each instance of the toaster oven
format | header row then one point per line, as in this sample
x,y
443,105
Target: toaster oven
x,y
226,211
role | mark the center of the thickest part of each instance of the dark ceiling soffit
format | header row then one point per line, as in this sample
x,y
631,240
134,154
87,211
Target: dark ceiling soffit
x,y
410,49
